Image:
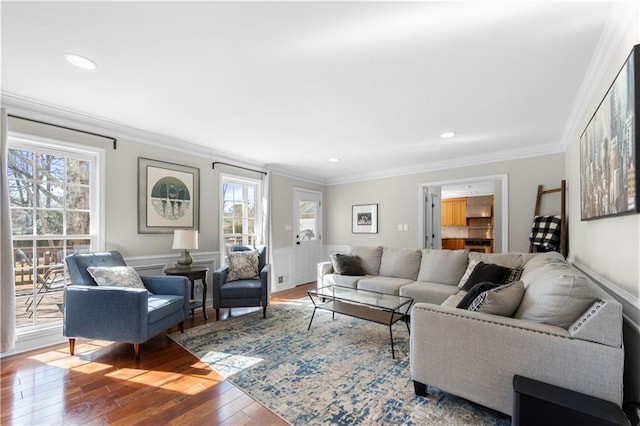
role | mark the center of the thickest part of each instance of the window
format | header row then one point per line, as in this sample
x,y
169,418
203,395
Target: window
x,y
240,201
53,196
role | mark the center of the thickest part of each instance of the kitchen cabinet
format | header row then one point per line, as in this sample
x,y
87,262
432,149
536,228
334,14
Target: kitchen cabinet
x,y
454,212
453,244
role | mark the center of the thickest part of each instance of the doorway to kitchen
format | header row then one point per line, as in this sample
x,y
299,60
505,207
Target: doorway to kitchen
x,y
469,213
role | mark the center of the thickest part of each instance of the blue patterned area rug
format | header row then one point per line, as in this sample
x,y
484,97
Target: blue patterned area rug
x,y
340,372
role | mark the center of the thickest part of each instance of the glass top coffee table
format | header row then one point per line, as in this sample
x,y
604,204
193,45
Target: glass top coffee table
x,y
372,306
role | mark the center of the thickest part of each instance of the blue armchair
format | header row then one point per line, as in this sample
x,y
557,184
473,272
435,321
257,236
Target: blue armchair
x,y
131,315
243,293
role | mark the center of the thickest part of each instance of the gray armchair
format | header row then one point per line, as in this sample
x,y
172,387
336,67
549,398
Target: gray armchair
x,y
131,315
243,293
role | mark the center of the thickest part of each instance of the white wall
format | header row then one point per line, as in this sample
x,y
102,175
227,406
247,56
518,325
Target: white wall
x,y
609,248
398,201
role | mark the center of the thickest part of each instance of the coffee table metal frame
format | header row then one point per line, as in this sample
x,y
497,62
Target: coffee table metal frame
x,y
381,308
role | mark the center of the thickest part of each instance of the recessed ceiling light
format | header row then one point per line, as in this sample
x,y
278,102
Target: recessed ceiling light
x,y
80,61
467,186
334,159
447,135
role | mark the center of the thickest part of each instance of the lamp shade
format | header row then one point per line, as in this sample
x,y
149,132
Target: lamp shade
x,y
185,239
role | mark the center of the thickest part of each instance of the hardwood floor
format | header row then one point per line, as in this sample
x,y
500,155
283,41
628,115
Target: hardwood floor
x,y
104,384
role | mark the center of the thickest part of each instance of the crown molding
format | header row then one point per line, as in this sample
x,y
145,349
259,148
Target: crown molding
x,y
619,21
37,110
475,160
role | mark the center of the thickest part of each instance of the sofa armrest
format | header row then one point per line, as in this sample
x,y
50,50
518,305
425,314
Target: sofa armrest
x,y
218,278
265,278
323,269
475,355
106,313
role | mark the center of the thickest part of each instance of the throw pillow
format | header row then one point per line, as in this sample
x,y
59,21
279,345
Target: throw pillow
x,y
243,265
467,273
486,272
116,276
475,292
503,300
347,264
514,275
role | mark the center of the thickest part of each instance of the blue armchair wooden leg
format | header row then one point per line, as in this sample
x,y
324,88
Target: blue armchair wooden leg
x,y
264,312
181,326
72,346
217,314
136,350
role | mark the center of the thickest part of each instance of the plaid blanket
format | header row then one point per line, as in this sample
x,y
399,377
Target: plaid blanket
x,y
545,232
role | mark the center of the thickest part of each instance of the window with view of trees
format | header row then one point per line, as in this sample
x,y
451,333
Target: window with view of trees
x,y
51,214
240,206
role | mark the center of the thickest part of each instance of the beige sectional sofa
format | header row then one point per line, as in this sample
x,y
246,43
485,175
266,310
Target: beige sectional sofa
x,y
565,331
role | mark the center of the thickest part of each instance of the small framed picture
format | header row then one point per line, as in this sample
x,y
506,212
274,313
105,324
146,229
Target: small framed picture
x,y
364,219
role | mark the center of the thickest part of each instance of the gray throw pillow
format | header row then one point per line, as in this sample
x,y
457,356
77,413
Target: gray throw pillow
x,y
116,276
503,300
243,265
347,264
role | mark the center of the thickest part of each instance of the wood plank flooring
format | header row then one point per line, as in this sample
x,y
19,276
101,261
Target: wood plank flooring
x,y
104,384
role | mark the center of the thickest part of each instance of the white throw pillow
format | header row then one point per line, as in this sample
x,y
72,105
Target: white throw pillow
x,y
465,277
243,265
116,276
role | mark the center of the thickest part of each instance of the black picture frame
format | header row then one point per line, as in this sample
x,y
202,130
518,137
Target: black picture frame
x,y
364,219
609,184
168,197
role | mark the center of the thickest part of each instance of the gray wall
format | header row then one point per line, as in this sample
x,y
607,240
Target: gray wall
x,y
398,201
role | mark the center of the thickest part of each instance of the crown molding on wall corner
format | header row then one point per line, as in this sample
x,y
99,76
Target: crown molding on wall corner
x,y
618,24
507,155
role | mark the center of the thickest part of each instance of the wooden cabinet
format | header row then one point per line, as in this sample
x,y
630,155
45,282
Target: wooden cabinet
x,y
454,212
453,244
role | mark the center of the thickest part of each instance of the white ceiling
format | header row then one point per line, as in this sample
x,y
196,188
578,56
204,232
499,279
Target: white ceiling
x,y
289,84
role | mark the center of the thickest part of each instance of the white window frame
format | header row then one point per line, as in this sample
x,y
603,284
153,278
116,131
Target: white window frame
x,y
228,178
43,332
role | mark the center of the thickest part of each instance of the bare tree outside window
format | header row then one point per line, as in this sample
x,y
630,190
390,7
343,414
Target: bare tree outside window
x,y
50,197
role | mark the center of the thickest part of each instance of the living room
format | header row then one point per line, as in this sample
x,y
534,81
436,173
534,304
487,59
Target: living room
x,y
608,250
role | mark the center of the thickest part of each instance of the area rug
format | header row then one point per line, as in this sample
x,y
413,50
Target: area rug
x,y
340,372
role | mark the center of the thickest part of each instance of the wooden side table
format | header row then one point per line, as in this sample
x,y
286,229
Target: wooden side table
x,y
194,273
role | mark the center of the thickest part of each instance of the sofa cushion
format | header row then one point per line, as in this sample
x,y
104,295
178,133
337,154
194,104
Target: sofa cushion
x,y
389,285
370,257
555,293
116,276
400,263
474,292
242,265
347,264
509,260
422,292
486,272
161,306
342,280
443,266
503,300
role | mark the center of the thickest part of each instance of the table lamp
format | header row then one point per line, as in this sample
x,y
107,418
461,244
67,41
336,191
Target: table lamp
x,y
185,240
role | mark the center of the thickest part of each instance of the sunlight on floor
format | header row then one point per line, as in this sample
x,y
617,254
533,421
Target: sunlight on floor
x,y
229,364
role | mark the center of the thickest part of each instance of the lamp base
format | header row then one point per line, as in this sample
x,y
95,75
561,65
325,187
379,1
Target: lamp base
x,y
185,260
